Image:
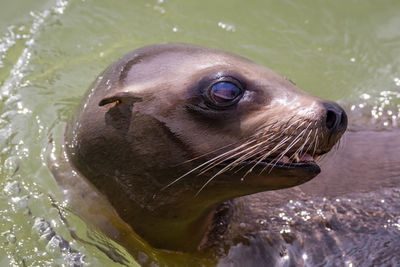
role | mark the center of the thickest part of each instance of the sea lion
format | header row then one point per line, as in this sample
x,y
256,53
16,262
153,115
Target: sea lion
x,y
170,131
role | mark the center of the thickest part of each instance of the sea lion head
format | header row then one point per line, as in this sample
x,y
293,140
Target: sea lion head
x,y
173,129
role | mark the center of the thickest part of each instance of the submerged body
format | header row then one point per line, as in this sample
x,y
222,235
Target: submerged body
x,y
348,213
169,132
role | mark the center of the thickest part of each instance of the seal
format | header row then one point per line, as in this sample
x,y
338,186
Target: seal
x,y
169,132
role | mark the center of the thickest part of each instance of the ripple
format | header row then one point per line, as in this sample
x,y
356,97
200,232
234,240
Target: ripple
x,y
381,109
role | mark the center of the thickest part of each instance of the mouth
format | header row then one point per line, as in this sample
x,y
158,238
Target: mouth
x,y
296,161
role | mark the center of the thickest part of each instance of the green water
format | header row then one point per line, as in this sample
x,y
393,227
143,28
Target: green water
x,y
50,52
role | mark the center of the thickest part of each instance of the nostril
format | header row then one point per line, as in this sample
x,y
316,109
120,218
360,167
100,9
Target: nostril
x,y
330,119
336,118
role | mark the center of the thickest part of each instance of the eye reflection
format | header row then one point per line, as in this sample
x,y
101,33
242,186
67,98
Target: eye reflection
x,y
224,92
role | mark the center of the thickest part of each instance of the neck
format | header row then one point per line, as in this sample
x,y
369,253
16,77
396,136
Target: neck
x,y
174,229
179,226
173,219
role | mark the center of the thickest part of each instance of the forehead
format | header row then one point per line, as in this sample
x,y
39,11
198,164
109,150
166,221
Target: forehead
x,y
183,63
172,70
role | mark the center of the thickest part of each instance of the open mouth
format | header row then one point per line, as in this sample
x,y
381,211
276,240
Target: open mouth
x,y
294,161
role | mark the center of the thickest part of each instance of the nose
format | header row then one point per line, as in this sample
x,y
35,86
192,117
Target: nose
x,y
336,118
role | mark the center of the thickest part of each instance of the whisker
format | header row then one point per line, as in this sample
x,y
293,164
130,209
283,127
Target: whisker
x,y
260,159
194,169
257,145
275,149
297,139
263,157
316,143
245,157
215,175
300,150
208,153
315,137
267,140
234,143
242,158
223,157
206,183
221,171
211,161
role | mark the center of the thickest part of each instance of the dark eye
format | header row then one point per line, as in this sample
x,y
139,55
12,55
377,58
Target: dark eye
x,y
224,93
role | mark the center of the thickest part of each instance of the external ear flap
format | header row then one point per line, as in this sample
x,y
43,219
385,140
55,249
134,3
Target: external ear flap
x,y
120,97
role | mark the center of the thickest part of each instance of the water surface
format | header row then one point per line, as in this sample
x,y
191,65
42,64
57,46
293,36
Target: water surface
x,y
51,50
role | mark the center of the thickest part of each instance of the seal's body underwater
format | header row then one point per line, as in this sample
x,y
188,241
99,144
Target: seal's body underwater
x,y
168,132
